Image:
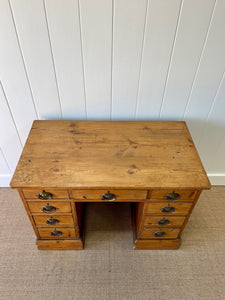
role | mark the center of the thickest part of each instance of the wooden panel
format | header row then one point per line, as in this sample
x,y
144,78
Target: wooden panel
x,y
85,154
138,214
64,27
56,193
41,221
97,194
210,72
60,244
162,194
4,169
170,233
9,139
13,76
30,21
61,207
156,244
173,221
28,212
213,134
158,41
220,163
96,30
180,208
191,34
45,233
128,32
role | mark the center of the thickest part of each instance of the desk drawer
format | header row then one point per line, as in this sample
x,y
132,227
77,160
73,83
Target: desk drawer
x,y
166,208
162,233
50,221
161,221
173,194
54,193
49,207
109,195
57,233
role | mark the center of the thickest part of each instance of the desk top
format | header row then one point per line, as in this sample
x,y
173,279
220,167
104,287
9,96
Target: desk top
x,y
119,154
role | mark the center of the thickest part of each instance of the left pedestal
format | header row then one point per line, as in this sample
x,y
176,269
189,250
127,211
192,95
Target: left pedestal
x,y
56,219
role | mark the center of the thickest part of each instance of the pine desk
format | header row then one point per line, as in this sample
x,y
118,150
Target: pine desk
x,y
153,164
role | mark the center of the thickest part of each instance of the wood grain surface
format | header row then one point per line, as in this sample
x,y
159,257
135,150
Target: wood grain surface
x,y
118,154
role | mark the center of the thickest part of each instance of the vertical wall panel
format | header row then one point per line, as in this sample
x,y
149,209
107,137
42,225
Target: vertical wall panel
x,y
191,33
210,72
3,166
13,76
29,16
96,29
129,24
5,174
64,27
113,59
219,162
160,30
9,140
211,140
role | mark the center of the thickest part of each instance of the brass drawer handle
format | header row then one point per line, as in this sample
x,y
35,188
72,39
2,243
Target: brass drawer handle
x,y
52,221
163,221
45,195
48,208
172,196
168,209
56,232
108,196
159,233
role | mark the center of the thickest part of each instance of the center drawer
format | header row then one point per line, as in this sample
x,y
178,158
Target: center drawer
x,y
108,195
49,207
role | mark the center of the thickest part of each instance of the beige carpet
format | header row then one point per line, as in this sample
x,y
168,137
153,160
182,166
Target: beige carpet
x,y
108,268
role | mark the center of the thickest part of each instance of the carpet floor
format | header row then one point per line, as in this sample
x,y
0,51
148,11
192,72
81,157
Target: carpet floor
x,y
108,268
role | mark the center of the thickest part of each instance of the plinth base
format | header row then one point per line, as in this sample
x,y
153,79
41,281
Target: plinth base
x,y
60,244
156,244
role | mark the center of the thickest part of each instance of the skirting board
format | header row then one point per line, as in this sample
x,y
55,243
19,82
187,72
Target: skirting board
x,y
215,179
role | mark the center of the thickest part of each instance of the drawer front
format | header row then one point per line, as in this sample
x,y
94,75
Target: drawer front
x,y
161,221
57,220
162,233
49,207
55,193
57,233
97,195
168,209
173,195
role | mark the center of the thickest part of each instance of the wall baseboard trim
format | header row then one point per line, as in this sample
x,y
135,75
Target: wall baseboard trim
x,y
5,180
215,179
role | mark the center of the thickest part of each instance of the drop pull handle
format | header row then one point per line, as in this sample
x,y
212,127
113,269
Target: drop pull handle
x,y
45,195
172,196
168,209
109,196
48,208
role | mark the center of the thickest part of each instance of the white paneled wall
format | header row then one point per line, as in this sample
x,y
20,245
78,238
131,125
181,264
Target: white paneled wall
x,y
113,60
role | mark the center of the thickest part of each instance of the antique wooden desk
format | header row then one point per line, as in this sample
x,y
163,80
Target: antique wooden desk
x,y
154,165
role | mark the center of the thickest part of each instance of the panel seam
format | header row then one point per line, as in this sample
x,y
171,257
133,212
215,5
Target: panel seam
x,y
170,60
